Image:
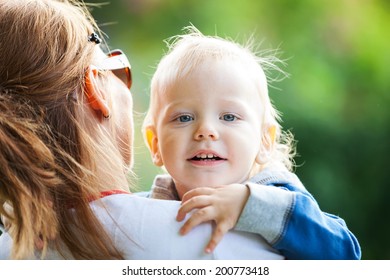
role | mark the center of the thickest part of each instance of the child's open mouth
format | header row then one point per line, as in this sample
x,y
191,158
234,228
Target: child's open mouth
x,y
206,157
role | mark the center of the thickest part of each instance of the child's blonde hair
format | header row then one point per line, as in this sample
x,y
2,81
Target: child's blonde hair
x,y
186,52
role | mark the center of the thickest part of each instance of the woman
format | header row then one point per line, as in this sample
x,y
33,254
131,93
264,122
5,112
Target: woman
x,y
66,138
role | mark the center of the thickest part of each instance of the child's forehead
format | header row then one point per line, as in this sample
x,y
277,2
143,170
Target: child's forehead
x,y
215,79
202,65
221,75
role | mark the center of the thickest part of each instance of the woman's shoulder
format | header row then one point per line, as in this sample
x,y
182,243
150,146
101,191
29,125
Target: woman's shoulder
x,y
123,204
145,228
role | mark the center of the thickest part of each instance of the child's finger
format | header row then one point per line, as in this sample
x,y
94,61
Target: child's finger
x,y
196,192
217,236
199,216
191,204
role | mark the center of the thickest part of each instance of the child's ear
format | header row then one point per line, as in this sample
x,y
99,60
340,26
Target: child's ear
x,y
152,141
272,135
267,144
95,98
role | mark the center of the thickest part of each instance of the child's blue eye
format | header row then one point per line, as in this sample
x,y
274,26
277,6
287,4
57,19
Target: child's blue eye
x,y
185,118
229,117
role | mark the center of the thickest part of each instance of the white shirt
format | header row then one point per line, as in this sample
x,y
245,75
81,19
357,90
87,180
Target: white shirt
x,y
144,228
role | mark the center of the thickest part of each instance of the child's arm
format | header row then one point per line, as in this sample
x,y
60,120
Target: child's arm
x,y
290,219
221,204
286,215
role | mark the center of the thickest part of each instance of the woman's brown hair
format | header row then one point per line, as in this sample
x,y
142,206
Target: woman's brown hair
x,y
45,156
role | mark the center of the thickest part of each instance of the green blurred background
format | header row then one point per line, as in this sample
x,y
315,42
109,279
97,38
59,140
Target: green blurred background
x,y
336,100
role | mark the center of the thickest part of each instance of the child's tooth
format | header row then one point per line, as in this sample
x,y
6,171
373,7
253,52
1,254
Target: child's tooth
x,y
205,156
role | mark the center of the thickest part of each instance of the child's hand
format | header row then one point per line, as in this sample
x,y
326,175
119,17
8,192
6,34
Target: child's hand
x,y
222,204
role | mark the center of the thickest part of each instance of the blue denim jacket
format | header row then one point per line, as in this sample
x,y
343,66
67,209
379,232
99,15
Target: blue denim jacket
x,y
281,210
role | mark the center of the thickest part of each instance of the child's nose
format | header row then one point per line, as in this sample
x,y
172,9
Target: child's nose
x,y
206,131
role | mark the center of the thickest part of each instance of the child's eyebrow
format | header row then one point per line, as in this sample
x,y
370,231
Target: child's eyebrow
x,y
168,111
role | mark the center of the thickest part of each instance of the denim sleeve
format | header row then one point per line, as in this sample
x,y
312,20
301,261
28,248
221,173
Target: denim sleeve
x,y
290,219
266,211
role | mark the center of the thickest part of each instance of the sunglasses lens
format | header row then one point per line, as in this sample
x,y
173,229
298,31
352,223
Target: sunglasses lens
x,y
124,75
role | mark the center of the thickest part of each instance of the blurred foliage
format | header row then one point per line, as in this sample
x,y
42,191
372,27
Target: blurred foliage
x,y
336,100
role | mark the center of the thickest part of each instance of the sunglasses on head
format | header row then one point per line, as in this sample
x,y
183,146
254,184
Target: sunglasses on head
x,y
119,65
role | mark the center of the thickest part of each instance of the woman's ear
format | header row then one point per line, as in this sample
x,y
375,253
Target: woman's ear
x,y
267,144
152,142
95,98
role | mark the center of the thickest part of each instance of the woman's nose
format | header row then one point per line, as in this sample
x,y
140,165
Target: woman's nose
x,y
206,131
